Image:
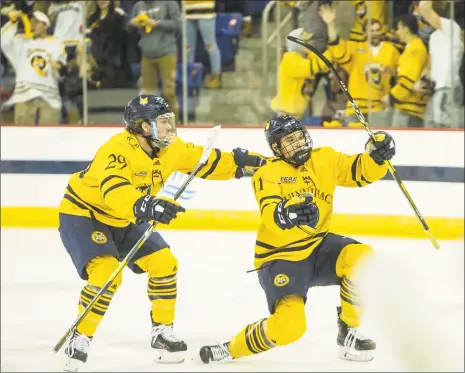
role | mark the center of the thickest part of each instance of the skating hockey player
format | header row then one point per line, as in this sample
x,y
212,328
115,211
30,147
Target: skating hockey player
x,y
106,208
295,248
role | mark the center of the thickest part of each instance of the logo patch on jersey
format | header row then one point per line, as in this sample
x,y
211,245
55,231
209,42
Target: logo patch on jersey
x,y
156,163
99,237
303,169
39,64
308,180
143,101
287,180
281,280
142,173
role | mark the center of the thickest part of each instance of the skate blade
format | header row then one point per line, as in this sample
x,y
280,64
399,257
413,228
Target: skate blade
x,y
166,357
351,354
73,365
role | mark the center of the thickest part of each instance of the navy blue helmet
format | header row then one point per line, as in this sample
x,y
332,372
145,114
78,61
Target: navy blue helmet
x,y
150,109
297,146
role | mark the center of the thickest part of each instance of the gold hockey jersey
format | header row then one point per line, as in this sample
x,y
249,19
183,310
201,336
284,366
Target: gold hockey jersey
x,y
411,63
122,172
364,10
320,175
370,73
294,71
196,9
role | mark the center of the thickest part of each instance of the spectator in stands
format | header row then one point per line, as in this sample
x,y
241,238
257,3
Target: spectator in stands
x,y
38,63
364,10
159,21
370,66
108,35
6,7
409,105
67,17
446,53
315,25
200,15
297,73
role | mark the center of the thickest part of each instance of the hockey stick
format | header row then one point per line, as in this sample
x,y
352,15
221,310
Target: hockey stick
x,y
203,160
361,118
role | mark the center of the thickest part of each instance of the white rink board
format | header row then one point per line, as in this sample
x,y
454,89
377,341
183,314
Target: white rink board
x,y
414,148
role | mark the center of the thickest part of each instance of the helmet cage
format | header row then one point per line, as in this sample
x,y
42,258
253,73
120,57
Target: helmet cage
x,y
300,152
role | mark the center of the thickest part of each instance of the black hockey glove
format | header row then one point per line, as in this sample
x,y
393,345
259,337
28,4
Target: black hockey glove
x,y
298,210
159,209
383,149
247,163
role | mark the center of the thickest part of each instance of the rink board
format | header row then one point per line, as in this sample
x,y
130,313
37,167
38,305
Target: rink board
x,y
35,171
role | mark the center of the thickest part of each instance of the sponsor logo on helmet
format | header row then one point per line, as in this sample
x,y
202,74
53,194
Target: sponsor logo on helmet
x,y
281,280
143,100
99,237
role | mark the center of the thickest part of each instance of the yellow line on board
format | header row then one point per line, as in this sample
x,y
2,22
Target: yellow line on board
x,y
347,224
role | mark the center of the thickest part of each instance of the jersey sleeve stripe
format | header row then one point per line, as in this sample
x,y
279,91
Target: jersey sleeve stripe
x,y
108,178
116,186
91,207
270,197
214,164
354,170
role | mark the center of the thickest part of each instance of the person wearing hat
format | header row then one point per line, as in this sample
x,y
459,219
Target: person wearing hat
x,y
39,60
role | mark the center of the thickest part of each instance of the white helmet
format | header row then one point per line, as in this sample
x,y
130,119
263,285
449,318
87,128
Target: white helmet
x,y
301,34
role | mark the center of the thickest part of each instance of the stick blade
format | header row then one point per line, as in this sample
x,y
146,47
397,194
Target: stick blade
x,y
207,149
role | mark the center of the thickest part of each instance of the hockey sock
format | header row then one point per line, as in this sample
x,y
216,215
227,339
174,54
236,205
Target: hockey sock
x,y
99,270
161,268
350,303
348,267
286,325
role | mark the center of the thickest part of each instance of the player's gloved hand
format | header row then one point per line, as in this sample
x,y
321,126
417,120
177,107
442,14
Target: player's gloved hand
x,y
383,149
299,210
161,209
247,163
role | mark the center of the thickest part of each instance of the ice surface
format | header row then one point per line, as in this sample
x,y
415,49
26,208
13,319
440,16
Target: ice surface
x,y
415,307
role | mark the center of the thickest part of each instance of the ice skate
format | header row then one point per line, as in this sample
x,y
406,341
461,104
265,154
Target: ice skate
x,y
215,354
352,344
169,349
77,351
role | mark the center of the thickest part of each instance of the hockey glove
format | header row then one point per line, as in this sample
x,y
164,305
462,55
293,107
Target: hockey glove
x,y
162,209
383,149
298,210
247,163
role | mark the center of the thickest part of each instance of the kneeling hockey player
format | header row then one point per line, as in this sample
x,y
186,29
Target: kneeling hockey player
x,y
295,248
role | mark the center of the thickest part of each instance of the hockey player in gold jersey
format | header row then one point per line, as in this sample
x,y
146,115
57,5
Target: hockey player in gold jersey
x,y
295,248
106,208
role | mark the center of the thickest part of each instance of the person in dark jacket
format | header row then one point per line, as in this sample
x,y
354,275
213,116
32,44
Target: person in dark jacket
x,y
108,34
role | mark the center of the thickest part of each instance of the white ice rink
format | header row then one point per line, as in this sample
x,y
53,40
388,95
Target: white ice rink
x,y
415,307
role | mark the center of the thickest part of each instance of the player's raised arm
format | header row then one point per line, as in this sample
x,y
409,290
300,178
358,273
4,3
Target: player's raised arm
x,y
220,165
361,169
10,42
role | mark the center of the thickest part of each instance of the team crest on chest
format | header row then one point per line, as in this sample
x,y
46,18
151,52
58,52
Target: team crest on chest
x,y
99,237
281,280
